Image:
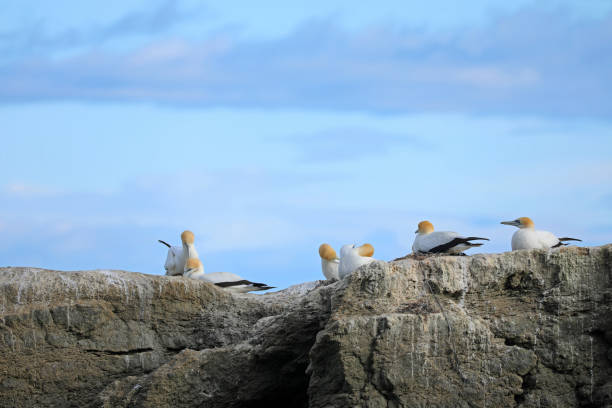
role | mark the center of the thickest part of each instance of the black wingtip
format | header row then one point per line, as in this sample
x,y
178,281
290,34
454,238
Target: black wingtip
x,y
264,288
456,241
257,286
569,239
165,243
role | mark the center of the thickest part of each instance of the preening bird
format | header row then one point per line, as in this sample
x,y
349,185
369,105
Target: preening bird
x,y
352,257
527,237
175,262
177,255
429,241
329,262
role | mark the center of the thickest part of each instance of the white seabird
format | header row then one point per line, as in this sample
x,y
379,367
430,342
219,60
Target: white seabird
x,y
329,262
175,262
429,242
352,257
177,255
527,237
226,280
188,239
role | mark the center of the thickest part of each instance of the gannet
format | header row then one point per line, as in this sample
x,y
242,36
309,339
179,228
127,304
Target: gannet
x,y
175,262
177,255
329,262
226,280
429,242
352,257
188,240
527,237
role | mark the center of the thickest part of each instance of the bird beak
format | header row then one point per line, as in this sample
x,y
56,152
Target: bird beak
x,y
513,223
416,231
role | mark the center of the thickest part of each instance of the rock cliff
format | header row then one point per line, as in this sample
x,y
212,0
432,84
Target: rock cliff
x,y
523,328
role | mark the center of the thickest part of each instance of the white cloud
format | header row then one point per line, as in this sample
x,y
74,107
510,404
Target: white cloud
x,y
496,77
29,190
528,62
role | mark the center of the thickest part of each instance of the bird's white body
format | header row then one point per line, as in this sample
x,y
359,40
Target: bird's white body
x,y
216,277
529,238
350,260
175,260
330,269
426,242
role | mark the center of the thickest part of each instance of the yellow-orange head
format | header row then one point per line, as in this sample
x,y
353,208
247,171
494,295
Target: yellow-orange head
x,y
521,222
526,222
366,250
425,227
187,237
327,252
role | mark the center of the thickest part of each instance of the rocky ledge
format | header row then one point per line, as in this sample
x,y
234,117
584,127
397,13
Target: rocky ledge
x,y
523,328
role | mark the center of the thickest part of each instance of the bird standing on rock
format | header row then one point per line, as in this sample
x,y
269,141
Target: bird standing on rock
x,y
429,241
527,237
352,257
329,262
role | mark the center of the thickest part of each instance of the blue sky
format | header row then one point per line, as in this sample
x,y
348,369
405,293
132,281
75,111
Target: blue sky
x,y
268,130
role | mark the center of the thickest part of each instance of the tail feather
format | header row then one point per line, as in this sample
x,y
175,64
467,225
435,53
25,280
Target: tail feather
x,y
561,243
163,242
261,285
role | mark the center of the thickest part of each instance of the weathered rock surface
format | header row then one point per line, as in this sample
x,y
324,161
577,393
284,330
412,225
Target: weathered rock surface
x,y
526,329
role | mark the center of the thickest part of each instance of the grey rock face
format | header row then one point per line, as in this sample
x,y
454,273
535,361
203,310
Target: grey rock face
x,y
524,329
64,336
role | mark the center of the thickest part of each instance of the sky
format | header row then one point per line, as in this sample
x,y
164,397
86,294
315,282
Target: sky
x,y
268,128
